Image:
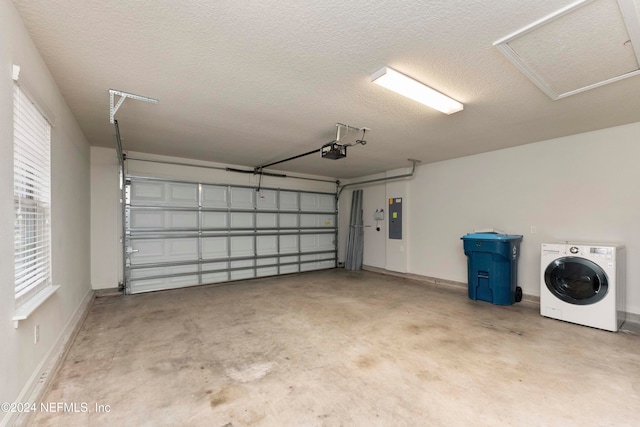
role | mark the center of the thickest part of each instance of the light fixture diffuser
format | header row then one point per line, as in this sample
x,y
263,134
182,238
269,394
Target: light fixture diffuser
x,y
413,89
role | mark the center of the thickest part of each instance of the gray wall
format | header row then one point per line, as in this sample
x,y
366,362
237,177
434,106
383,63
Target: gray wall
x,y
20,358
579,188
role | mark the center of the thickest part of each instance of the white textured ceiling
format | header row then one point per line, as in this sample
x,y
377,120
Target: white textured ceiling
x,y
250,82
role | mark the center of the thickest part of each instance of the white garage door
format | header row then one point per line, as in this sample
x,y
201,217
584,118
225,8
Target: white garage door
x,y
184,234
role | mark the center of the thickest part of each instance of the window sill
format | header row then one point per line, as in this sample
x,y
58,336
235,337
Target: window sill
x,y
26,309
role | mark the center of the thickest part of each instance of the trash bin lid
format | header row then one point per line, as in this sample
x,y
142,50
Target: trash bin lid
x,y
491,236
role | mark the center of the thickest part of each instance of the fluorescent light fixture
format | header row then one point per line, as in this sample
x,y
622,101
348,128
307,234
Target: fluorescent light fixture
x,y
413,89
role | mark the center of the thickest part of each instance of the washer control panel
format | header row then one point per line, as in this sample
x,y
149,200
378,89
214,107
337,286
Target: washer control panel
x,y
602,252
593,251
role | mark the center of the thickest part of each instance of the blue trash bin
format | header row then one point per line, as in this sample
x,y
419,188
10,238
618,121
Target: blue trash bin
x,y
492,262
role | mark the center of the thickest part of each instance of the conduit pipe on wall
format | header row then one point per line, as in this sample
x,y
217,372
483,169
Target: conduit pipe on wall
x,y
387,178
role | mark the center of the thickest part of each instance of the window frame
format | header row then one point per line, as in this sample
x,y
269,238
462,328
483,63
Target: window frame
x,y
32,203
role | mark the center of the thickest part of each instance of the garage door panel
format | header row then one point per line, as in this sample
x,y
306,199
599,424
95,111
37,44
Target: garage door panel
x,y
163,250
150,249
266,271
317,257
215,277
288,201
183,194
215,196
266,245
147,219
242,198
289,259
288,220
182,249
215,247
242,263
206,228
157,219
316,242
242,246
212,266
242,220
266,220
320,265
266,261
182,219
147,192
141,273
308,202
286,269
326,202
317,202
288,244
158,284
214,220
242,274
151,193
267,200
317,220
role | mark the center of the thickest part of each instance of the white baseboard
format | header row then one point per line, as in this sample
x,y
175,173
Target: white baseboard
x,y
633,318
533,299
39,382
417,277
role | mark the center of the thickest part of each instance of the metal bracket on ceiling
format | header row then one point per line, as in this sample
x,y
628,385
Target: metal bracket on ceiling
x,y
113,108
339,125
348,128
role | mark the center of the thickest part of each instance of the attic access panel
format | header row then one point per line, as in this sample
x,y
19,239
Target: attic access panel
x,y
587,44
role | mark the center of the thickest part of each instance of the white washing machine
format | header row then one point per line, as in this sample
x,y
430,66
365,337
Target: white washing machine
x,y
583,283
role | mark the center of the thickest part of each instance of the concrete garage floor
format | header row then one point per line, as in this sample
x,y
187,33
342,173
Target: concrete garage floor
x,y
338,348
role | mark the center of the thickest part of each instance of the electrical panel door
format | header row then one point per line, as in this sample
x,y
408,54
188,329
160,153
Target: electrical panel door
x,y
395,218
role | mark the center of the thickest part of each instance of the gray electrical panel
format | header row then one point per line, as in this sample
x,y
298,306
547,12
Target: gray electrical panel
x,y
395,218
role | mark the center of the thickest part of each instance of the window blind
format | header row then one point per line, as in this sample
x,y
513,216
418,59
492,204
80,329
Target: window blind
x,y
32,198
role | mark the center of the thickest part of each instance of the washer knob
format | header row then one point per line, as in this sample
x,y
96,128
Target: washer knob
x,y
574,250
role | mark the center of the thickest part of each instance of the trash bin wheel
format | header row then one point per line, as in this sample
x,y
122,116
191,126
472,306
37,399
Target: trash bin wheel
x,y
518,294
